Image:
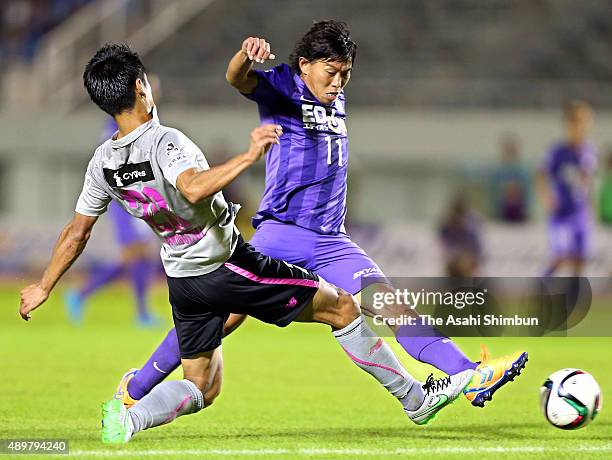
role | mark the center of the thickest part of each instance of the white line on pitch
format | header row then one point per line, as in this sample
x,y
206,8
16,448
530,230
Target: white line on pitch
x,y
347,451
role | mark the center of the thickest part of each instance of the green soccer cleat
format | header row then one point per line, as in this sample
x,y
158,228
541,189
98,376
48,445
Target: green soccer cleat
x,y
439,393
115,423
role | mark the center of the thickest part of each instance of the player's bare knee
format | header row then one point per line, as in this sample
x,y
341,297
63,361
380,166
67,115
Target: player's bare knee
x,y
348,308
201,382
334,306
342,310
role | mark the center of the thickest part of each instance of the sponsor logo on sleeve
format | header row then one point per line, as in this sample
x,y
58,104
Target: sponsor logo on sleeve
x,y
171,149
367,272
129,174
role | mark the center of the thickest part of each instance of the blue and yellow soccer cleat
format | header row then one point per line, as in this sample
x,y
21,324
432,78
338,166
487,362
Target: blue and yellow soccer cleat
x,y
492,374
122,393
116,427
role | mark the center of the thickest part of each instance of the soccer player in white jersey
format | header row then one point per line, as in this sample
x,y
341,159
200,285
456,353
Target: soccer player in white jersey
x,y
159,175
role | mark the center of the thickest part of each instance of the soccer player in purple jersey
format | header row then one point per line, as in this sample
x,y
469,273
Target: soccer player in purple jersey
x,y
565,183
301,215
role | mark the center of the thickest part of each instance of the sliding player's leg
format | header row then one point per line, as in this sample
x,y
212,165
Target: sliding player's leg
x,y
423,343
348,265
199,330
168,400
337,308
429,346
136,383
344,264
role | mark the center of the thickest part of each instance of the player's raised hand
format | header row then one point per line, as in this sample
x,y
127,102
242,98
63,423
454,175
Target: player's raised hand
x,y
261,140
32,297
257,49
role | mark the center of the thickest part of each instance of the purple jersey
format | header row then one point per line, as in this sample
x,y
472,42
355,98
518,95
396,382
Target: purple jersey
x,y
305,173
570,170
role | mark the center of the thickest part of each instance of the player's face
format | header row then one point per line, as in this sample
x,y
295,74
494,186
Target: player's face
x,y
579,125
325,79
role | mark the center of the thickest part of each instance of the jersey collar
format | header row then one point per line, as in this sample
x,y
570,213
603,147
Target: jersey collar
x,y
135,134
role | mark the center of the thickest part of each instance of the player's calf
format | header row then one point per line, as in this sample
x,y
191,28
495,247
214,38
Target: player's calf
x,y
372,354
206,373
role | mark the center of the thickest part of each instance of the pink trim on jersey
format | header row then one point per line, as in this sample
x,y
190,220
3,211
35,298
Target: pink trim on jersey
x,y
368,363
193,236
258,279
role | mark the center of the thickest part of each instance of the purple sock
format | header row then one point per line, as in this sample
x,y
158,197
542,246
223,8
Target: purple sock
x,y
161,363
140,275
99,276
437,350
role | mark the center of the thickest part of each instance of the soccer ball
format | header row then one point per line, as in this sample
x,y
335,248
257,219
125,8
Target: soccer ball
x,y
570,399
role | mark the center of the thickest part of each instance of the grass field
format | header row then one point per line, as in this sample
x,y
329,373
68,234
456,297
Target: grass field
x,y
287,393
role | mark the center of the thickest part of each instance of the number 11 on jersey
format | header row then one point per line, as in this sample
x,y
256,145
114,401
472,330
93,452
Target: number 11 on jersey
x,y
329,150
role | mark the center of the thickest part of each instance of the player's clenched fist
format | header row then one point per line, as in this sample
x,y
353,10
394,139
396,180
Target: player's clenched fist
x,y
32,297
257,49
261,139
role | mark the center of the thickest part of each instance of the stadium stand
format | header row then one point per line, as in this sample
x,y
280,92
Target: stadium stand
x,y
410,52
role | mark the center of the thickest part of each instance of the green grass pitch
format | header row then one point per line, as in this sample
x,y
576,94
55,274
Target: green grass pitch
x,y
287,393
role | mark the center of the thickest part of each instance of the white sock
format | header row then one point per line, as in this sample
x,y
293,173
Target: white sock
x,y
165,402
414,398
374,356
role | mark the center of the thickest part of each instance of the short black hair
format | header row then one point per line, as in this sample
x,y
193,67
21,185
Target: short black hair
x,y
326,40
110,77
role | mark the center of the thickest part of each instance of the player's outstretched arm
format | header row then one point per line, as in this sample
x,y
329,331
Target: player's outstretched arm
x,y
240,68
69,246
196,184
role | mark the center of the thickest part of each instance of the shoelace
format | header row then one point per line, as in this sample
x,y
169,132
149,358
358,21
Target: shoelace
x,y
432,384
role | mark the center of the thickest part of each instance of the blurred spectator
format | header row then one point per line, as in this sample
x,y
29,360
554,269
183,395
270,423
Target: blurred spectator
x,y
510,184
605,192
565,183
461,240
24,22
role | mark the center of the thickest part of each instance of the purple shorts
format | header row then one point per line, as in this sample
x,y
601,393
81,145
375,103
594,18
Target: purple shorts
x,y
128,229
570,236
333,257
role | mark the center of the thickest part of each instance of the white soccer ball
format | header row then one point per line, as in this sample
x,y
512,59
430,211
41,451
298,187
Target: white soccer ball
x,y
570,399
